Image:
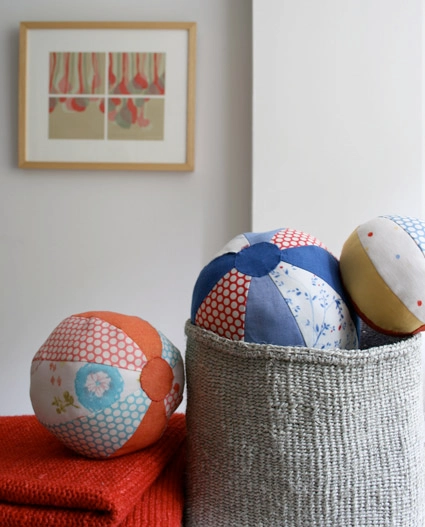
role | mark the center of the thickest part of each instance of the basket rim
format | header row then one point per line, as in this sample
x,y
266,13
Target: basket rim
x,y
249,350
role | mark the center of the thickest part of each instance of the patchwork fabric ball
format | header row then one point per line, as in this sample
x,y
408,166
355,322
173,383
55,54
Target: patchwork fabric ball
x,y
280,287
383,269
106,384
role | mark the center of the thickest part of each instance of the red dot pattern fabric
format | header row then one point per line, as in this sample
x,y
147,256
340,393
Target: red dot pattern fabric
x,y
173,399
292,238
91,340
223,310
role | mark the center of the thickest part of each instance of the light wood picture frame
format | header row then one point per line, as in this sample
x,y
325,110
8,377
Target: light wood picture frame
x,y
107,95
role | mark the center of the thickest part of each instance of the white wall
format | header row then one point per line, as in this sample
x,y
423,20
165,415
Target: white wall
x,y
337,114
127,242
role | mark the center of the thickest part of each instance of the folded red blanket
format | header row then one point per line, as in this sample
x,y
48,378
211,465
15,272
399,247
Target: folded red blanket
x,y
42,483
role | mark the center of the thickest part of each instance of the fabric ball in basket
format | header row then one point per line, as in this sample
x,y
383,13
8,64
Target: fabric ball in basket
x,y
383,269
106,384
280,287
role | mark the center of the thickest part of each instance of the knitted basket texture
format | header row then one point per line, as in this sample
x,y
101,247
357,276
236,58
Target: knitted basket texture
x,y
297,437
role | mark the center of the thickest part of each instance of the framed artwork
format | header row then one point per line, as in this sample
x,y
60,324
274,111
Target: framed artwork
x,y
107,95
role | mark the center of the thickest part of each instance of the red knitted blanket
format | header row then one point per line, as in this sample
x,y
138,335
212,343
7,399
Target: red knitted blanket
x,y
44,484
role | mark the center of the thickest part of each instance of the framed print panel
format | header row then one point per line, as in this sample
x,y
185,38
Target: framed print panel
x,y
99,95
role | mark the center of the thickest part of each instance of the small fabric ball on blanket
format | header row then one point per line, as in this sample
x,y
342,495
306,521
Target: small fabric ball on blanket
x,y
106,383
383,269
280,287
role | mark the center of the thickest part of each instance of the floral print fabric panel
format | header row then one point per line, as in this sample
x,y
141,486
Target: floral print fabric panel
x,y
321,314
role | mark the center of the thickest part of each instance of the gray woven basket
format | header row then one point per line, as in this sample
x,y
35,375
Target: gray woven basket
x,y
297,437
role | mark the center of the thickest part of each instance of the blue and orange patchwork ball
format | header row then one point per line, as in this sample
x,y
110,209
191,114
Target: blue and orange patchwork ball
x,y
280,287
106,384
383,270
